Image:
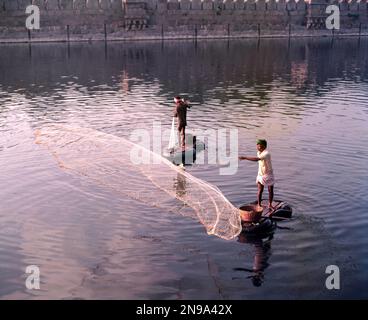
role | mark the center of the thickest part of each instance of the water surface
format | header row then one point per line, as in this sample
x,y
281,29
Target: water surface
x,y
307,97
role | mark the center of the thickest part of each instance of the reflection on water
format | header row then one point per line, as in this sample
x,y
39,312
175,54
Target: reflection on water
x,y
180,185
262,253
307,97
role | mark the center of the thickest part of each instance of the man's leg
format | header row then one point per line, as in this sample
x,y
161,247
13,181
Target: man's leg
x,y
260,191
182,132
179,135
270,196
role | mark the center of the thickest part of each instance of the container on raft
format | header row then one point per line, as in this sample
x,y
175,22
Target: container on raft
x,y
188,155
260,220
251,212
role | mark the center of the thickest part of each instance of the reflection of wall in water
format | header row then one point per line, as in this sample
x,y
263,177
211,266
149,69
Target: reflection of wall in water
x,y
179,67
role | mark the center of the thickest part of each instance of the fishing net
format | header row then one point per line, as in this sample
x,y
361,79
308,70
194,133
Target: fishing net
x,y
133,171
173,141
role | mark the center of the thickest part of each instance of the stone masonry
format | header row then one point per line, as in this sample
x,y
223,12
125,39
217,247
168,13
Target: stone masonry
x,y
134,18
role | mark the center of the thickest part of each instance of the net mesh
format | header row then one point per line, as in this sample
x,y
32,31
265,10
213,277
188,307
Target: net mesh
x,y
111,162
173,141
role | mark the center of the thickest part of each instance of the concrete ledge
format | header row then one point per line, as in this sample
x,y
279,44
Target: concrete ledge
x,y
132,36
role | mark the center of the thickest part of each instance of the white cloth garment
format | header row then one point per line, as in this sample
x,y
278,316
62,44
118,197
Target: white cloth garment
x,y
265,172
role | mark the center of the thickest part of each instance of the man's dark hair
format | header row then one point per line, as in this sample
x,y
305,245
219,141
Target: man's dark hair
x,y
178,97
262,142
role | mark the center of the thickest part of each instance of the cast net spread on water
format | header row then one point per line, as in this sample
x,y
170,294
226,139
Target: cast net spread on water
x,y
111,162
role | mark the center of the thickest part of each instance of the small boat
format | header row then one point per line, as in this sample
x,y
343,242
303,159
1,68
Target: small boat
x,y
187,156
261,220
281,210
264,227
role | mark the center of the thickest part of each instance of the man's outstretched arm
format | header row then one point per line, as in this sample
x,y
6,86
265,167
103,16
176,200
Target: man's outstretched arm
x,y
250,158
187,103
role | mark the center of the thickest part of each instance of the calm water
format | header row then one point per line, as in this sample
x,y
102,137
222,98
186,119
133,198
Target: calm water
x,y
308,97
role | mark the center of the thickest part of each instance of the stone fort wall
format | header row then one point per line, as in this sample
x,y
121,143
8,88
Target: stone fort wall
x,y
183,17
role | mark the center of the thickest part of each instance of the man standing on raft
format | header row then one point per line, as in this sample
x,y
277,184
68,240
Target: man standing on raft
x,y
180,112
265,173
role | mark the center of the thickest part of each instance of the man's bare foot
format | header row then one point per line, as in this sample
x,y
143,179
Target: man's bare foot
x,y
270,207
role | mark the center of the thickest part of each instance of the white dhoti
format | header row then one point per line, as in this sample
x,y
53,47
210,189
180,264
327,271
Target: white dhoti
x,y
266,180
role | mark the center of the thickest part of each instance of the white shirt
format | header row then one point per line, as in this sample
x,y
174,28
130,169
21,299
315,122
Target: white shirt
x,y
264,165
